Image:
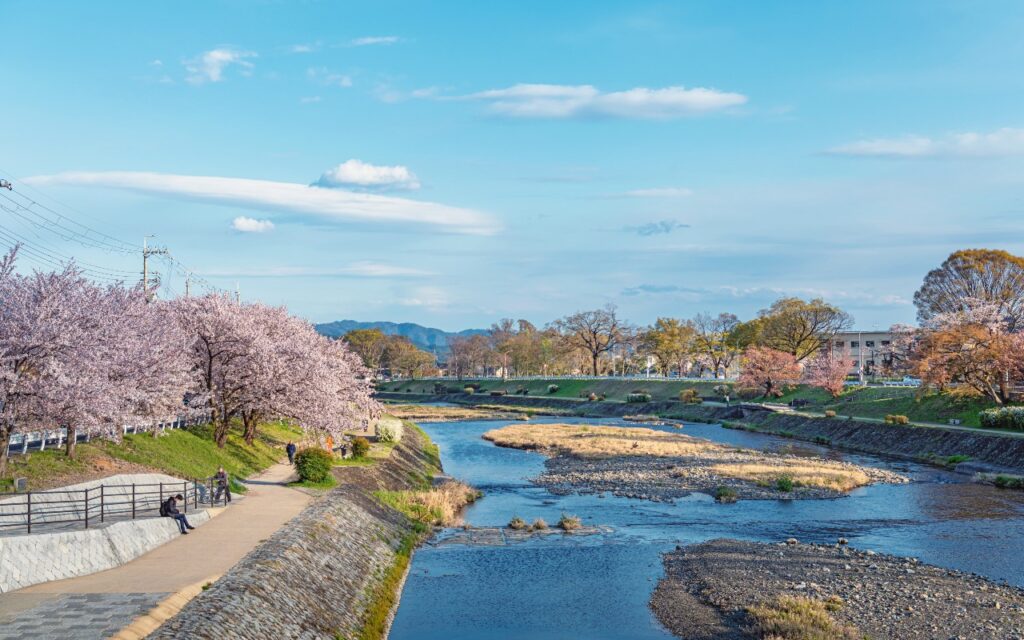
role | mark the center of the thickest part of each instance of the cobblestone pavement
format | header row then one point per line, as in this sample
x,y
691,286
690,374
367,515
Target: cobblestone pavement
x,y
78,616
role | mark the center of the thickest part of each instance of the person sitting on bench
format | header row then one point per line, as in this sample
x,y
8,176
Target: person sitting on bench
x,y
169,509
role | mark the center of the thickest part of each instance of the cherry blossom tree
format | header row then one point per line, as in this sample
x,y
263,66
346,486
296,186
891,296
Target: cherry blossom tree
x,y
828,371
768,369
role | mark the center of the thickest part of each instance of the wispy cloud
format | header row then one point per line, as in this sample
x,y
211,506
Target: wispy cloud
x,y
251,225
372,40
663,192
211,65
356,173
660,227
1001,142
354,270
328,78
333,205
583,101
302,48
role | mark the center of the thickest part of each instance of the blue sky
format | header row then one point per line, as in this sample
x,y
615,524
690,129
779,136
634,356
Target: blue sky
x,y
451,163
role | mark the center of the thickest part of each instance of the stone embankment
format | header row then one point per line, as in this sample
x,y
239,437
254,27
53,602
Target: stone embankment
x,y
319,575
987,451
708,589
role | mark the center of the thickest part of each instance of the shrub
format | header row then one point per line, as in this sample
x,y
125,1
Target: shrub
x,y
360,447
897,419
957,459
539,524
569,523
313,464
725,494
1009,482
592,397
784,484
517,523
723,390
830,413
469,390
388,430
552,388
690,396
1003,418
748,393
638,397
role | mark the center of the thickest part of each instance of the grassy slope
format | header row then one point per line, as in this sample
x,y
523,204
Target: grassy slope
x,y
868,402
185,453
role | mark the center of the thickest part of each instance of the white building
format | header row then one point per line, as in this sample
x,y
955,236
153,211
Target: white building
x,y
867,349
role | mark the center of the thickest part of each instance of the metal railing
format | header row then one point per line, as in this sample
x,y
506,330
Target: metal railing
x,y
41,440
97,505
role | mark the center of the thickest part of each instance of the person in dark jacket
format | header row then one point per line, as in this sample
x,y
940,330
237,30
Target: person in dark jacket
x,y
170,510
291,452
223,485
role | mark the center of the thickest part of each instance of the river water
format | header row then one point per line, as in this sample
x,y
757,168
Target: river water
x,y
598,586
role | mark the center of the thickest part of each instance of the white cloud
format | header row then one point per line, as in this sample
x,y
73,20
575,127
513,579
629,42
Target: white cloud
x,y
210,66
572,101
371,40
328,78
251,225
300,48
1001,142
355,270
362,174
664,192
332,205
429,297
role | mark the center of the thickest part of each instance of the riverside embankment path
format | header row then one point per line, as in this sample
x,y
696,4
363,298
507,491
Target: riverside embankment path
x,y
105,603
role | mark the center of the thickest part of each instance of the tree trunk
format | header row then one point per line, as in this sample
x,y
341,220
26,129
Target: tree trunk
x,y
5,443
249,421
594,356
220,431
69,445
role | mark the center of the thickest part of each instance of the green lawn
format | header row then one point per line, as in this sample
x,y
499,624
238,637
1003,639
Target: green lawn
x,y
186,453
863,402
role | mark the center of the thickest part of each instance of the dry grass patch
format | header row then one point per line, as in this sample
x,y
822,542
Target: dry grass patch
x,y
437,506
596,442
797,618
423,413
803,473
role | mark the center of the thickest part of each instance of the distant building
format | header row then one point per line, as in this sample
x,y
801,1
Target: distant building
x,y
867,349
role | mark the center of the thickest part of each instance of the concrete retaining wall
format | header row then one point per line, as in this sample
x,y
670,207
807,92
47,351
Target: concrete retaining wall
x,y
316,577
31,559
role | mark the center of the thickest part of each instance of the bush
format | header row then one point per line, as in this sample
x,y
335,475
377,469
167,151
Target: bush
x,y
569,523
313,464
539,525
388,430
690,396
1008,482
638,397
553,388
469,390
784,484
592,397
725,494
830,413
1003,418
723,390
360,447
522,391
897,419
517,523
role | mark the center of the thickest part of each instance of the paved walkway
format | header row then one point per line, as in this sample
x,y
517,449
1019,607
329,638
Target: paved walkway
x,y
101,604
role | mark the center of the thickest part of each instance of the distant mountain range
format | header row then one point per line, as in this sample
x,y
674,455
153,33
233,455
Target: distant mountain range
x,y
426,338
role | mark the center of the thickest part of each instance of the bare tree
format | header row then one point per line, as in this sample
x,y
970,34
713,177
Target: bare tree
x,y
593,332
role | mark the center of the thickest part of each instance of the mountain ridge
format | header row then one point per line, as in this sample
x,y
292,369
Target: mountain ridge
x,y
426,338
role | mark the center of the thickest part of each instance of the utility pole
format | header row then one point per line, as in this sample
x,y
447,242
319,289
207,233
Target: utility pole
x,y
5,184
238,293
146,252
188,281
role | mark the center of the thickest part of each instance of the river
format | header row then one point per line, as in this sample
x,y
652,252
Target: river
x,y
597,586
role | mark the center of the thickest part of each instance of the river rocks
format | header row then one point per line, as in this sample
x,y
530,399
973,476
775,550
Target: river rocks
x,y
711,585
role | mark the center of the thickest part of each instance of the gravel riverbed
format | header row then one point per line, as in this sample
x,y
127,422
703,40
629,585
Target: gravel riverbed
x,y
708,587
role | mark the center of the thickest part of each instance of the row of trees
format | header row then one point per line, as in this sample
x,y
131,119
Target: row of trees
x,y
391,353
599,341
93,358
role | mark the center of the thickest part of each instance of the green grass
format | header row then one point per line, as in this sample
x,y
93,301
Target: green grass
x,y
384,596
614,390
327,483
186,453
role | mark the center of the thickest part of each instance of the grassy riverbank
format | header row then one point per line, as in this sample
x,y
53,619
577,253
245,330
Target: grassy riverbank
x,y
859,402
184,453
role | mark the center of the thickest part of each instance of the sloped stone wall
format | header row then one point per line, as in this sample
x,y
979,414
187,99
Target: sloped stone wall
x,y
315,577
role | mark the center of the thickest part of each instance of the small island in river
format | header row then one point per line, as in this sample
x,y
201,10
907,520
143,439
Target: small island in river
x,y
658,465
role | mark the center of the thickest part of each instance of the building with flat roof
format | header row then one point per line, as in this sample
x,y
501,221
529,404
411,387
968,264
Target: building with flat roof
x,y
867,349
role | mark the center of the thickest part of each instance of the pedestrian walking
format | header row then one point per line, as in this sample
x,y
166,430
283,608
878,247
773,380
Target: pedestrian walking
x,y
223,485
291,452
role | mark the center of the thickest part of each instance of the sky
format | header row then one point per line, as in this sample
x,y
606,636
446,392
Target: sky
x,y
453,163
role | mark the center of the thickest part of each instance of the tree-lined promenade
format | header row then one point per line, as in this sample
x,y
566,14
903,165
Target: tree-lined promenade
x,y
93,358
969,341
